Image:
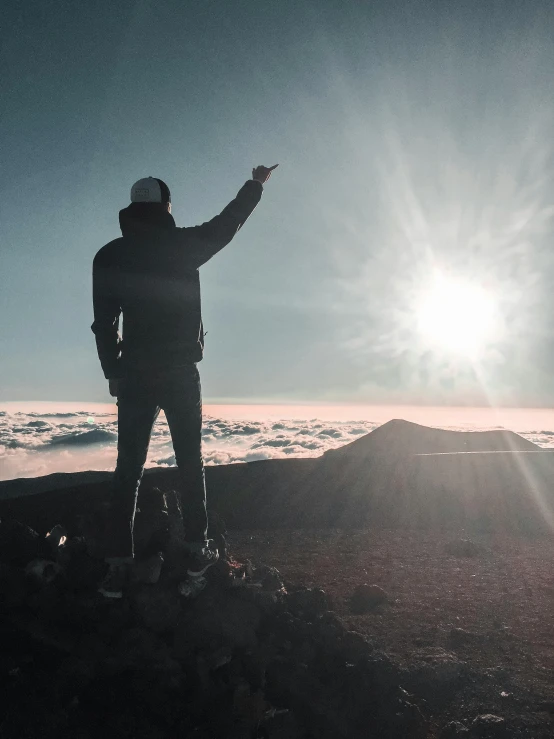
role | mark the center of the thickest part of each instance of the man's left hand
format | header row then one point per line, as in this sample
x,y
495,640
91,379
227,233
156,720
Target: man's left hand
x,y
114,387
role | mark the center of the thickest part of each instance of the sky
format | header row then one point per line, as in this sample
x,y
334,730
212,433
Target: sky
x,y
414,142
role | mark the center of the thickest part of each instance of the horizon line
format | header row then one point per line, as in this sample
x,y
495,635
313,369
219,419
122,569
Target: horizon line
x,y
299,403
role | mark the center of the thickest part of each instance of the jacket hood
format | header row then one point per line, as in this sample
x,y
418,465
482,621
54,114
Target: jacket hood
x,y
139,218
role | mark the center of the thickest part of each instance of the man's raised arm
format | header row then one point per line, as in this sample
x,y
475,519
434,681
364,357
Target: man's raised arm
x,y
206,240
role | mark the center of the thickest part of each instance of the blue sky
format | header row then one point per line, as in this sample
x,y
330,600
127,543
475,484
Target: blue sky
x,y
410,137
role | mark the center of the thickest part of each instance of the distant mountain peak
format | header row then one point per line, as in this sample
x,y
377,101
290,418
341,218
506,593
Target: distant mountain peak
x,y
410,438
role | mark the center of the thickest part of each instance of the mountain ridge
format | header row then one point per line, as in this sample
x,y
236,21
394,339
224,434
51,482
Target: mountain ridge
x,y
399,474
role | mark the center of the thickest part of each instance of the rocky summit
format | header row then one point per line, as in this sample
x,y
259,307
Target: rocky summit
x,y
234,655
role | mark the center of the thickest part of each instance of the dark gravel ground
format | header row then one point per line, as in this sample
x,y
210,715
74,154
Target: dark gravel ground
x,y
490,614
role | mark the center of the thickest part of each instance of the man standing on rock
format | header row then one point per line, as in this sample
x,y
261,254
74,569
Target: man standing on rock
x,y
150,277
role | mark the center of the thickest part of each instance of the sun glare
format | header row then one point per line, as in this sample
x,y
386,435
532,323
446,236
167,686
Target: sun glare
x,y
456,316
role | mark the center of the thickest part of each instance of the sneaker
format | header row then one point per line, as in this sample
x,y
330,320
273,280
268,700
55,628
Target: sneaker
x,y
115,580
202,557
191,587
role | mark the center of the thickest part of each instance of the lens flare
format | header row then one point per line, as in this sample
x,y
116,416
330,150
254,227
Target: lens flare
x,y
456,316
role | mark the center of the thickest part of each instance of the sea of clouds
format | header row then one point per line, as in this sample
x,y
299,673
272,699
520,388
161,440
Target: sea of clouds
x,y
34,444
39,443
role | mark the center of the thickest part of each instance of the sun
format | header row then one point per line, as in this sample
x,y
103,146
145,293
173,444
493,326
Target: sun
x,y
456,316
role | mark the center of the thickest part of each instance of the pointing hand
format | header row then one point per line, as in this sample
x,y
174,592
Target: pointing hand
x,y
262,174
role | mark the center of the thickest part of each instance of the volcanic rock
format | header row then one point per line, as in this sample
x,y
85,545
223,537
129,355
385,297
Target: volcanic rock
x,y
367,597
281,725
308,601
218,664
454,730
217,619
488,726
56,538
435,674
19,544
43,571
159,609
270,578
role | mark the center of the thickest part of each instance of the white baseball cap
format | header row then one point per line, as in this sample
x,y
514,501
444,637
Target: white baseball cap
x,y
150,190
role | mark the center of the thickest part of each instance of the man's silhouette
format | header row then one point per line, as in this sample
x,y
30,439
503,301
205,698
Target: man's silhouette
x,y
150,277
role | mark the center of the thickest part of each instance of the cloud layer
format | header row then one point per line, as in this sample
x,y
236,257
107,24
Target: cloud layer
x,y
34,443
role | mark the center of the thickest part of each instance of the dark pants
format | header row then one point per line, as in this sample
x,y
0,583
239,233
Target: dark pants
x,y
140,400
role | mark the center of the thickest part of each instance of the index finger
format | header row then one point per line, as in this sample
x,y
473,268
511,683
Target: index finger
x,y
272,168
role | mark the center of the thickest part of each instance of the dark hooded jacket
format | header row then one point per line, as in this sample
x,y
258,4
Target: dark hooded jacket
x,y
150,276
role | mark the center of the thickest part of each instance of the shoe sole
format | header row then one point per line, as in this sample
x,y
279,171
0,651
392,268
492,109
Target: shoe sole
x,y
192,587
199,573
110,593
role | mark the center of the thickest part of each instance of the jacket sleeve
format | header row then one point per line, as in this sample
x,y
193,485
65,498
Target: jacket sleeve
x,y
202,242
106,317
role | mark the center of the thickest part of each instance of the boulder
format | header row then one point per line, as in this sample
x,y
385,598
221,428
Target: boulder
x,y
217,619
159,609
367,597
435,675
43,571
454,730
267,600
19,544
310,602
353,702
191,587
55,538
488,726
354,646
222,573
328,631
281,724
81,571
15,586
270,578
140,647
